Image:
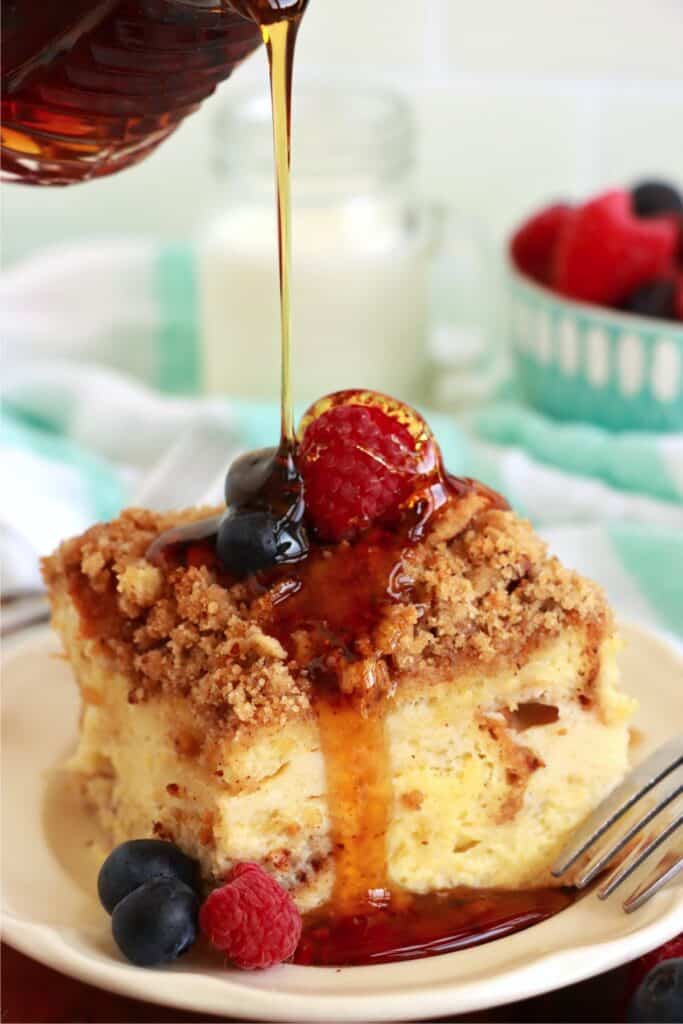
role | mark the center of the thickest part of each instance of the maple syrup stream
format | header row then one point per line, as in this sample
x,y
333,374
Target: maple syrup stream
x,y
368,919
359,791
280,39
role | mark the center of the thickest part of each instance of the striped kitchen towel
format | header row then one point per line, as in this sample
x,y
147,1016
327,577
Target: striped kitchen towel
x,y
97,389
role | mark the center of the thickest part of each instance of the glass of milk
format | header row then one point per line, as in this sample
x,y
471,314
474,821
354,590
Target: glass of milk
x,y
361,249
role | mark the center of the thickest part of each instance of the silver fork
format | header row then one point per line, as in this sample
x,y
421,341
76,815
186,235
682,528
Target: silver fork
x,y
190,471
642,811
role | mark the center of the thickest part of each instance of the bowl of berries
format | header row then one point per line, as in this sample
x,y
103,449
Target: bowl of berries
x,y
597,308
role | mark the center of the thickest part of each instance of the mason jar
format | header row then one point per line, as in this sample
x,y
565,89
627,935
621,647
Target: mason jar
x,y
360,248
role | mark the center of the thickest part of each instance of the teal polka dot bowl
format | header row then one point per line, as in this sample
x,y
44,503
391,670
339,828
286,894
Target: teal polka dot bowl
x,y
576,361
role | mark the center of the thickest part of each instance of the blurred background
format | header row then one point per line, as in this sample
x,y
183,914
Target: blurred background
x,y
516,103
505,107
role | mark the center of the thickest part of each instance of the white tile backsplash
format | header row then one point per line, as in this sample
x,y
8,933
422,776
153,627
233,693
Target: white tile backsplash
x,y
360,35
494,154
641,134
605,39
516,102
575,38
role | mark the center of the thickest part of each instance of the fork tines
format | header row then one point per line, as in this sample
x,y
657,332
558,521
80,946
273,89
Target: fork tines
x,y
647,800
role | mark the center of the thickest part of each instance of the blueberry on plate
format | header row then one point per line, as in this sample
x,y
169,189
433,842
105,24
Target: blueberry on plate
x,y
659,997
133,863
656,298
157,922
653,198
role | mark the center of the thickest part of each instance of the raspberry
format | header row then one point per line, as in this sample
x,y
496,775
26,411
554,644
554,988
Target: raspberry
x,y
604,252
677,220
360,455
251,919
533,245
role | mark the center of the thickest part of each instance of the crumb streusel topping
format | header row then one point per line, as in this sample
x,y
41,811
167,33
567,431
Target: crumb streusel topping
x,y
479,588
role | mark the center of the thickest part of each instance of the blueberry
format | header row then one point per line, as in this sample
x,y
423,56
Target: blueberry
x,y
157,922
655,298
659,997
652,198
253,539
133,863
263,525
248,475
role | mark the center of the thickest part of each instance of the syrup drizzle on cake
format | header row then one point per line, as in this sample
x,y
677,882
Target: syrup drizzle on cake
x,y
338,601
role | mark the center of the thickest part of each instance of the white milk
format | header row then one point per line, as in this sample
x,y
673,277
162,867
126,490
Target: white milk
x,y
360,266
359,298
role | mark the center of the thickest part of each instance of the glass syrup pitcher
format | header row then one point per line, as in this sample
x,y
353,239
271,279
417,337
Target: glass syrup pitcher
x,y
92,86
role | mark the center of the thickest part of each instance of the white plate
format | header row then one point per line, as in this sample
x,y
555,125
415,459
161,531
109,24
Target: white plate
x,y
50,911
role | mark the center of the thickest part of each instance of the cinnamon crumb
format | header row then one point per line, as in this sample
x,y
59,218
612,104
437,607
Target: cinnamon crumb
x,y
91,696
162,831
186,744
480,588
520,763
413,800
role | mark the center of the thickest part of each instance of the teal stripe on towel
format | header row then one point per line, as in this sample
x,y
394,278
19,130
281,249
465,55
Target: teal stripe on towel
x,y
654,557
628,461
179,356
105,494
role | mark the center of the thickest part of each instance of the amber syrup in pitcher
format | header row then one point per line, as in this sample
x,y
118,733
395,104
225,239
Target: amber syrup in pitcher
x,y
92,86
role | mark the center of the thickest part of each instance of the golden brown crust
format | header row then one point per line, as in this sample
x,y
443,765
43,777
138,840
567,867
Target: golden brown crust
x,y
479,589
